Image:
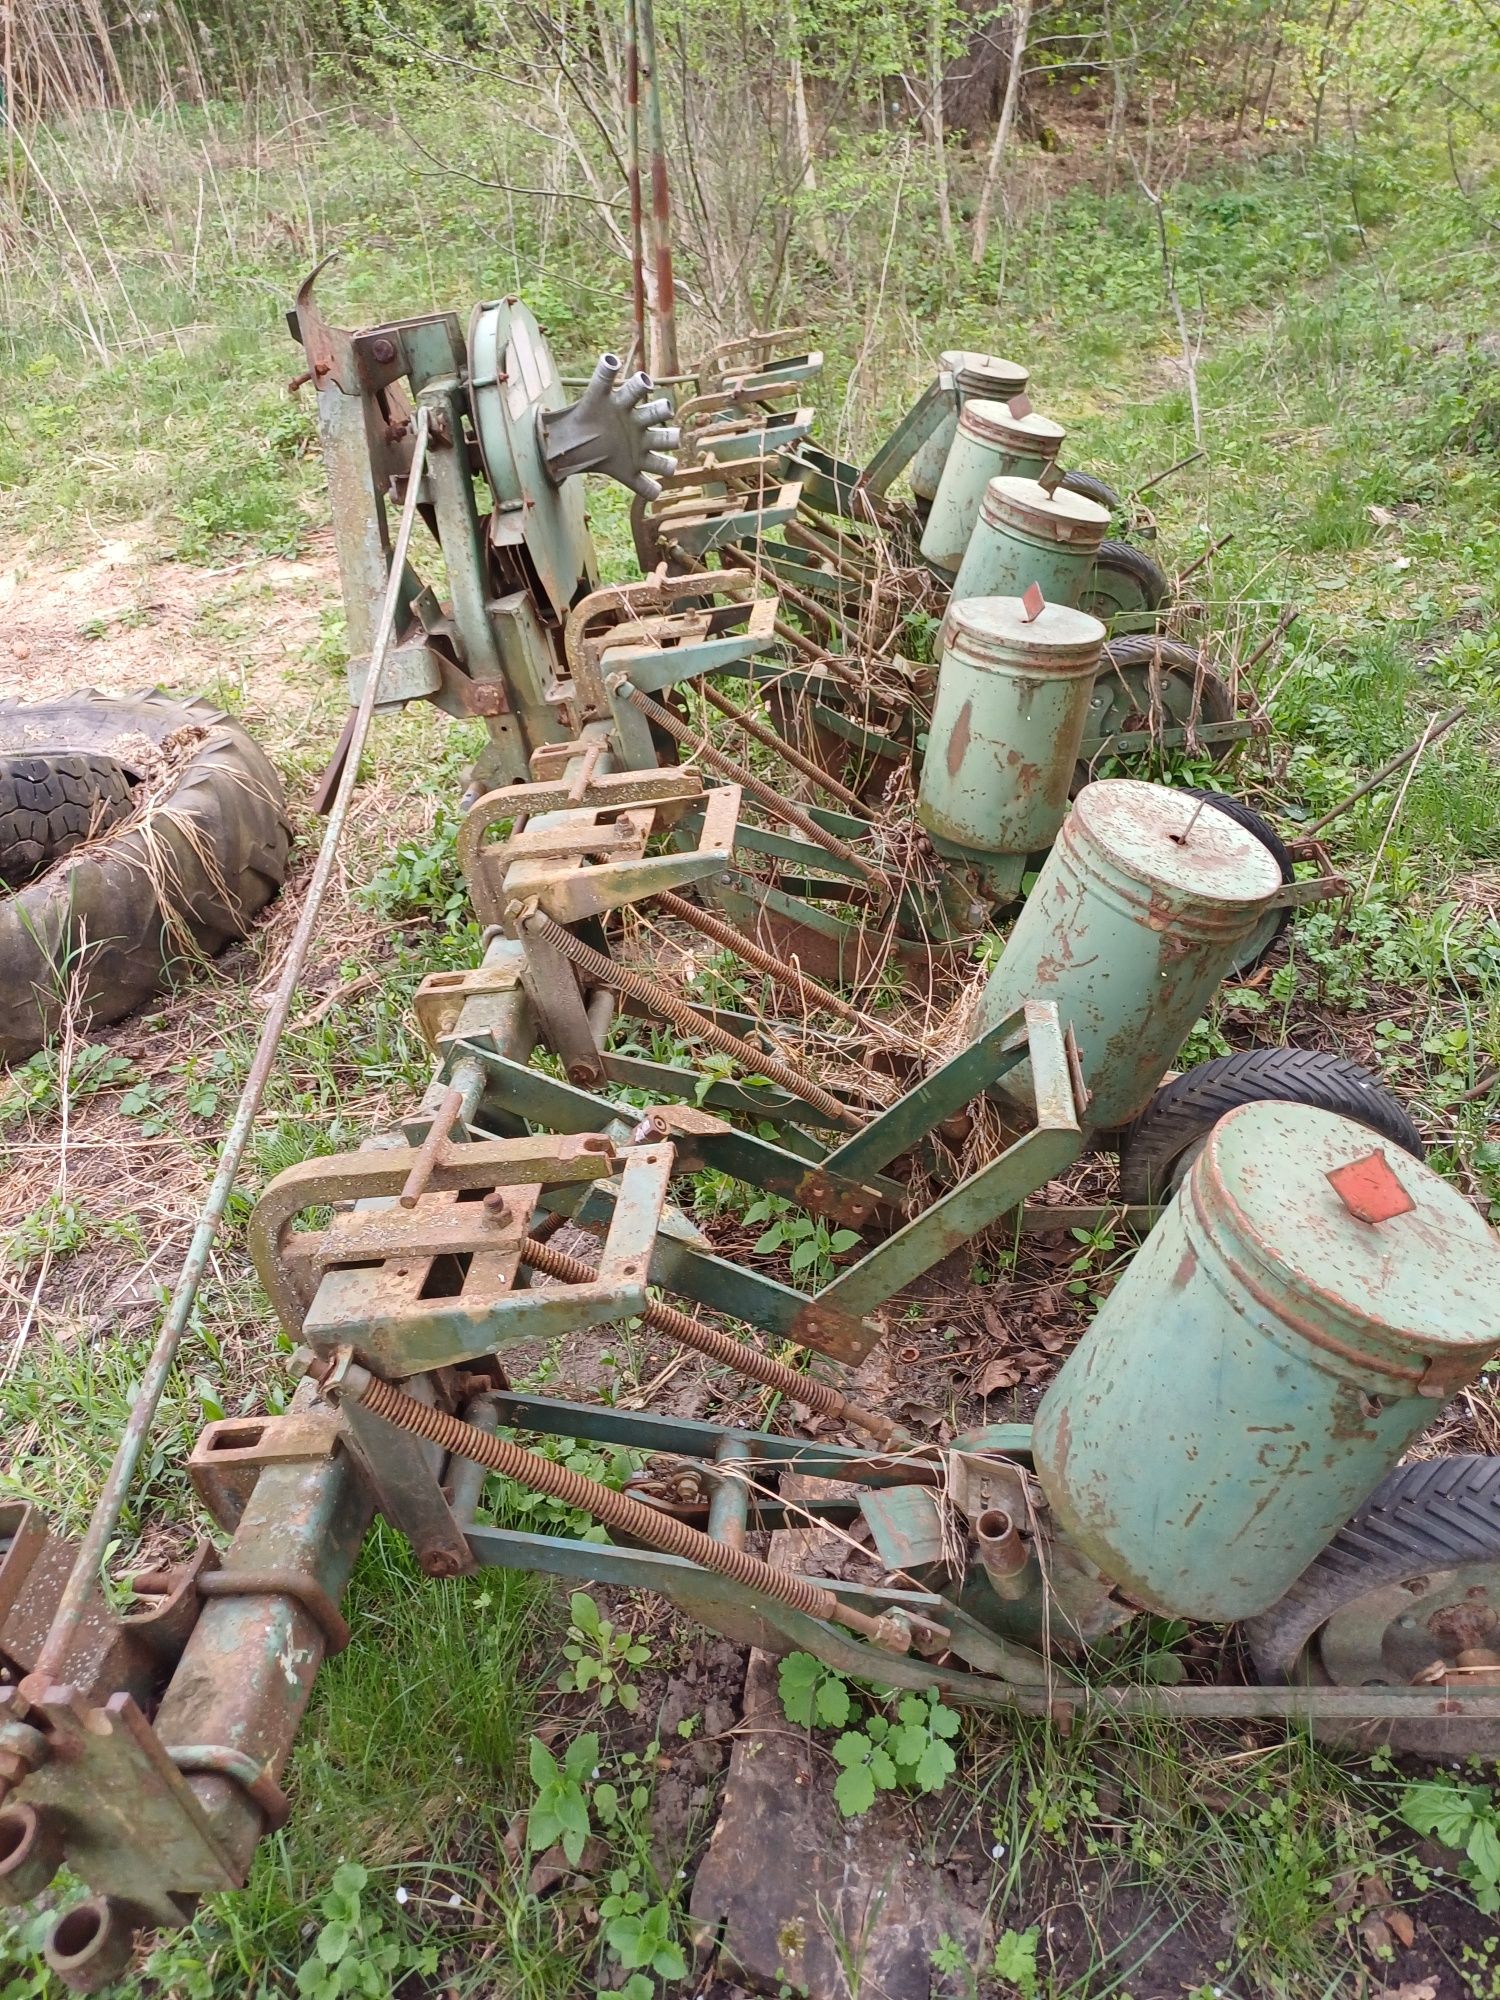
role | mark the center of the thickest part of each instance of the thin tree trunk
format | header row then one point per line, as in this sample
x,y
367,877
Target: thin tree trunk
x,y
807,178
1020,28
936,122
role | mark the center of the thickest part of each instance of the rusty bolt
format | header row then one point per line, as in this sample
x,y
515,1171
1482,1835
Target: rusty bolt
x,y
383,348
497,1203
440,1562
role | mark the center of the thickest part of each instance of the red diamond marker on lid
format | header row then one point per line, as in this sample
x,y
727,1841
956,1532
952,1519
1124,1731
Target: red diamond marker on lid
x,y
1369,1189
1033,604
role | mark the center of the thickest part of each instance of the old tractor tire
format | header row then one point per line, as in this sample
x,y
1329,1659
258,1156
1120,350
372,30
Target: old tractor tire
x,y
1406,1589
110,920
1270,927
50,803
1157,1149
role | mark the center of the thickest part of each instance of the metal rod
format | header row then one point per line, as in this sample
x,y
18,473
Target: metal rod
x,y
430,1150
728,1352
1387,770
1198,561
1283,626
79,1587
599,970
785,971
705,752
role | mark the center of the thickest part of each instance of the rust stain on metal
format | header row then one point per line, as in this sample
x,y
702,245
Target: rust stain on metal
x,y
958,742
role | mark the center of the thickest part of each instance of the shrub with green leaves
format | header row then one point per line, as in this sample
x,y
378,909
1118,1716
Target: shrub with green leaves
x,y
560,1812
1466,1818
640,1932
811,1245
353,1954
913,1753
599,1656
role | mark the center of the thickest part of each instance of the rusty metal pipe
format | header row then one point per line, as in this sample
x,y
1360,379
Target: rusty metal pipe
x,y
89,1943
31,1852
664,361
1002,1550
633,177
246,1673
466,1476
52,1661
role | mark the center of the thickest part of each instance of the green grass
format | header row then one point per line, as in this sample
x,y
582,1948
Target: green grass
x,y
1350,387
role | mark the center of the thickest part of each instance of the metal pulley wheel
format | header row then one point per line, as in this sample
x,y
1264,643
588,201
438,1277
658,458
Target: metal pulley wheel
x,y
1127,588
1146,683
1408,1593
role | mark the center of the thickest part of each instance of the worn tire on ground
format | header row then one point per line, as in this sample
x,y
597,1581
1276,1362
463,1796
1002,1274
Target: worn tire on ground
x,y
52,803
114,917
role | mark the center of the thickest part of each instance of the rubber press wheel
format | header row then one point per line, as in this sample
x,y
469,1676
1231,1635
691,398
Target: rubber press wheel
x,y
1159,1147
1090,488
1134,669
1126,588
1274,922
1408,1590
124,897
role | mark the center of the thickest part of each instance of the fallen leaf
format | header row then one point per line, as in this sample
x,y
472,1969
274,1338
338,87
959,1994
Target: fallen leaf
x,y
1401,1925
997,1375
1375,1934
994,1322
1409,1989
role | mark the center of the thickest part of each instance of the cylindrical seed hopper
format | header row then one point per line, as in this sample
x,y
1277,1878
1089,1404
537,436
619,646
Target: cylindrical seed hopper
x,y
1298,1315
1138,913
986,376
1012,705
1026,535
990,442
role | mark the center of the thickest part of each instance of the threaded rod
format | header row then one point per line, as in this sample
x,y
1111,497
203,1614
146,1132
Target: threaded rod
x,y
618,1511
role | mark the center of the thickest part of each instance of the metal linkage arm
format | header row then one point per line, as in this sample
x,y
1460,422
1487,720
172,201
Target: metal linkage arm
x,y
964,1211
